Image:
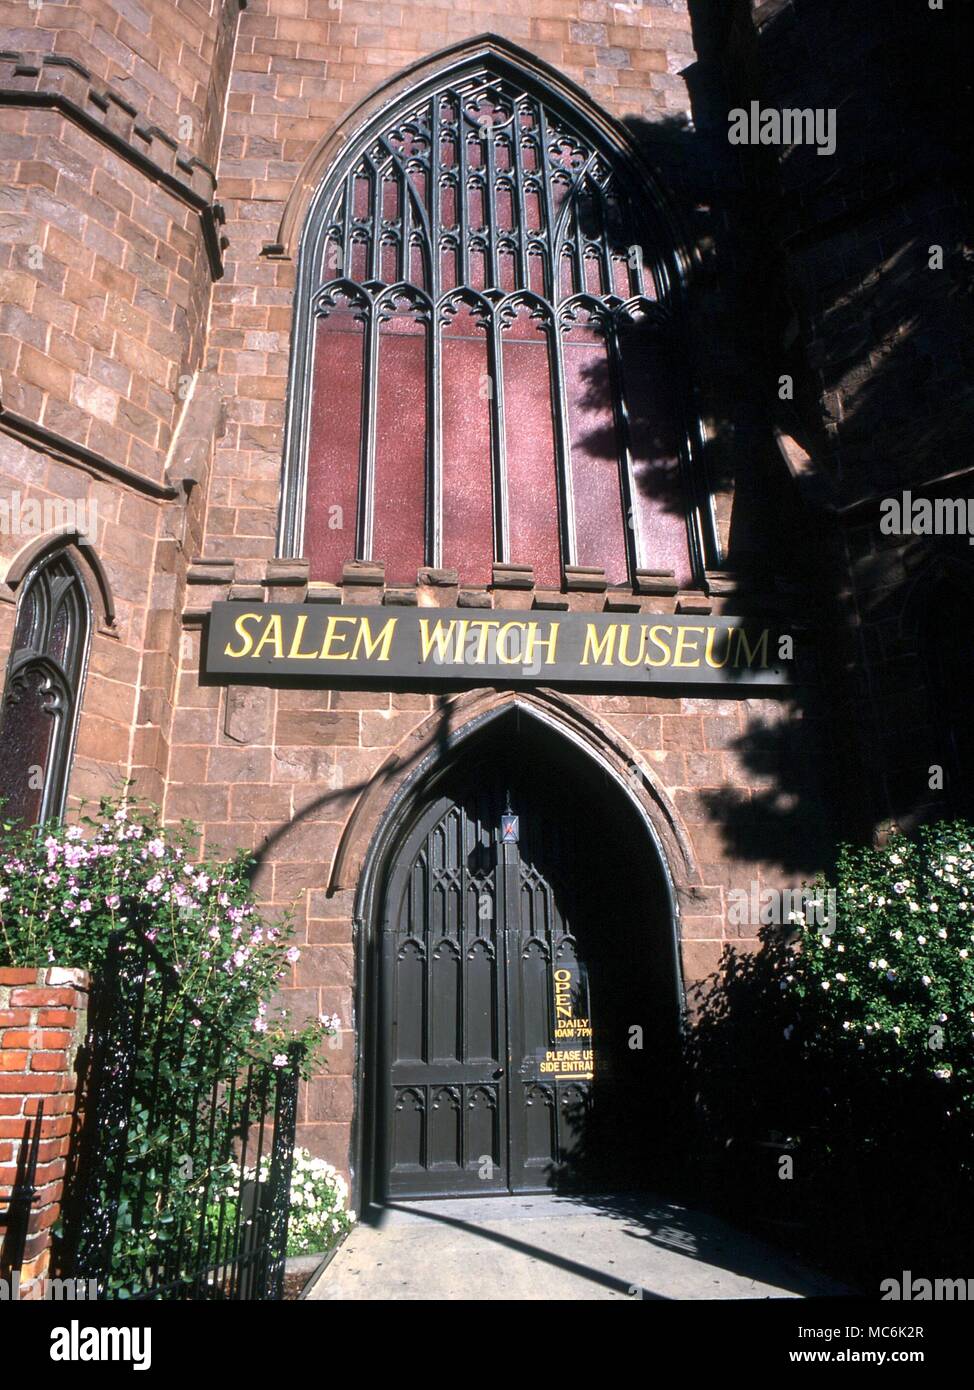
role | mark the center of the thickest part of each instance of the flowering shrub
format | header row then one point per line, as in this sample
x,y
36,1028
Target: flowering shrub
x,y
893,978
319,1195
63,894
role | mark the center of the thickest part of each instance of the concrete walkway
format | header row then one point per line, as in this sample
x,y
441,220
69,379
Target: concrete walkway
x,y
548,1247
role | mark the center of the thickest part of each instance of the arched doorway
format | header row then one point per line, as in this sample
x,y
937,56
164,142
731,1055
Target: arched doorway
x,y
524,980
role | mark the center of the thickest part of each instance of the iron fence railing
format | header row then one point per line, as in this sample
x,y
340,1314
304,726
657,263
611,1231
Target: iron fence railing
x,y
181,1184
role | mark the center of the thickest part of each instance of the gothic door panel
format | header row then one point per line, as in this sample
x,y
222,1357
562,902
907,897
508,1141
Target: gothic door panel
x,y
484,1003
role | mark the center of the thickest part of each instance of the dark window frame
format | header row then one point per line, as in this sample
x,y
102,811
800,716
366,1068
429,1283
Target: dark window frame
x,y
53,580
663,260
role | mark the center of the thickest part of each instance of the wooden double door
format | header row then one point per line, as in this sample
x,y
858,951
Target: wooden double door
x,y
486,1030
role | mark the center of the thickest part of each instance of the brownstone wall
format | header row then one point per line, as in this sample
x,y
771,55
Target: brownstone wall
x,y
110,246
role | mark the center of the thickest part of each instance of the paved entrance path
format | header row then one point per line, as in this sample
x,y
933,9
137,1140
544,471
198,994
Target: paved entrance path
x,y
547,1247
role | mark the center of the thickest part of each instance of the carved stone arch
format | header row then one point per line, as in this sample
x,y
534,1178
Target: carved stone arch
x,y
422,754
412,788
86,559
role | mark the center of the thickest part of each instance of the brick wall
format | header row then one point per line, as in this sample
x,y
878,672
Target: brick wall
x,y
43,1016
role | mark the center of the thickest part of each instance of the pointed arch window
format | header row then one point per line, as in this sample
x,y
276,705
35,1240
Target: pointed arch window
x,y
484,367
42,691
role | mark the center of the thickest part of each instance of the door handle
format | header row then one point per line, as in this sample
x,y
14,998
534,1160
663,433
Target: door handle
x,y
498,1073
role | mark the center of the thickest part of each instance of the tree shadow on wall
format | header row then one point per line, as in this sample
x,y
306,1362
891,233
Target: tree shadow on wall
x,y
818,269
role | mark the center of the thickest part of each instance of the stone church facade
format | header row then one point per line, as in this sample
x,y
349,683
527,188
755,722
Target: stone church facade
x,y
161,166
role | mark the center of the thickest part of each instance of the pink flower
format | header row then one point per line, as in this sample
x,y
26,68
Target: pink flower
x,y
113,900
280,1059
156,847
292,954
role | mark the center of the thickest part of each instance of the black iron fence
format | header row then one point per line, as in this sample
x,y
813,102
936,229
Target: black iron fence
x,y
181,1183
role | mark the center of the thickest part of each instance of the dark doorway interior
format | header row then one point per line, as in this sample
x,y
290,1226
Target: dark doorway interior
x,y
528,1015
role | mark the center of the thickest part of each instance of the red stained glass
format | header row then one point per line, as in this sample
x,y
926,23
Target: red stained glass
x,y
475,207
529,436
599,522
334,444
417,177
593,275
403,223
506,269
333,262
621,282
505,210
400,448
448,267
362,195
478,268
390,261
448,205
659,502
359,269
467,491
560,185
536,273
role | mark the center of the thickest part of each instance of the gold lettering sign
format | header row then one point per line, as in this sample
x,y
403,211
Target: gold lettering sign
x,y
360,644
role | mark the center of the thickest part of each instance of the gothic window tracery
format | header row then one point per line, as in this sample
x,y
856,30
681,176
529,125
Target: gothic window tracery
x,y
42,691
484,369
